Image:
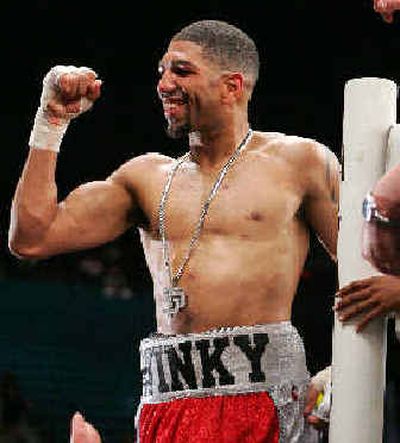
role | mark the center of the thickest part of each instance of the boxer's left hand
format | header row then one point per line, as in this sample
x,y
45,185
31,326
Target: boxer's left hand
x,y
312,395
82,432
318,404
367,299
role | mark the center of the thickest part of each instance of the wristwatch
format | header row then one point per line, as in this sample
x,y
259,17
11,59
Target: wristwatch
x,y
371,213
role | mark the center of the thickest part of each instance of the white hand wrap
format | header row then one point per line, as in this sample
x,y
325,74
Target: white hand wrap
x,y
48,131
322,379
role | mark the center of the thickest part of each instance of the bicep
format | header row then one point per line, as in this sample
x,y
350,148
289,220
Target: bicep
x,y
93,214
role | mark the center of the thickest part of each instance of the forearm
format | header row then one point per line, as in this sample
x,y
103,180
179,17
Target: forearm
x,y
67,92
34,205
381,233
381,247
387,193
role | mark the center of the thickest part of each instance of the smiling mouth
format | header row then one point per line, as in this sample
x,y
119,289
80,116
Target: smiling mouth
x,y
172,106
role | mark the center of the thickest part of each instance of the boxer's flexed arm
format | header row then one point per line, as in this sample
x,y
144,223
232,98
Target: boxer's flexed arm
x,y
94,213
321,200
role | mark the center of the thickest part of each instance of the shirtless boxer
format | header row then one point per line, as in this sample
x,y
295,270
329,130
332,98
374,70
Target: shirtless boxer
x,y
225,231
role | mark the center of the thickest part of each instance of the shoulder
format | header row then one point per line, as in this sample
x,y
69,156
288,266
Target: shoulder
x,y
293,144
143,166
146,161
301,151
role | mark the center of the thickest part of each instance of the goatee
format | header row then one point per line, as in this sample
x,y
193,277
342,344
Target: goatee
x,y
177,132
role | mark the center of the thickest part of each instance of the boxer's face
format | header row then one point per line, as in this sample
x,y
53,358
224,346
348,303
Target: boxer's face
x,y
189,88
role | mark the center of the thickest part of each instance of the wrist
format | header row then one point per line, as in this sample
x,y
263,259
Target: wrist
x,y
45,134
373,214
322,379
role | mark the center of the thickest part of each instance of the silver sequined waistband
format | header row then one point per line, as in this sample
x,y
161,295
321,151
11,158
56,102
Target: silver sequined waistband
x,y
235,360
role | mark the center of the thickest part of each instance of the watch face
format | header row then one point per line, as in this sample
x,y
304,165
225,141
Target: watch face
x,y
367,208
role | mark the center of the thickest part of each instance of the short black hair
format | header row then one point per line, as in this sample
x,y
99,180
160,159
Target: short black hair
x,y
225,45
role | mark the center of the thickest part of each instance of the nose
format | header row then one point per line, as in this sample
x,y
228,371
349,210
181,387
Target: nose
x,y
166,83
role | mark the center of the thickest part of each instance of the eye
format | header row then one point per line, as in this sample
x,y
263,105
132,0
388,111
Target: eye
x,y
181,71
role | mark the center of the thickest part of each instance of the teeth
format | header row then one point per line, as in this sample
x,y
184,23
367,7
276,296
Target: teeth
x,y
175,101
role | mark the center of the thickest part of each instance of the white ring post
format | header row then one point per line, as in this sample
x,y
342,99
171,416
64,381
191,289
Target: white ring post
x,y
358,372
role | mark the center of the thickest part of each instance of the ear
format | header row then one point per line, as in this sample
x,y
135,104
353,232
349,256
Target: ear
x,y
233,85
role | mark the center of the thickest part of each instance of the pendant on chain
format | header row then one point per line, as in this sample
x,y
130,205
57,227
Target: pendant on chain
x,y
174,300
174,297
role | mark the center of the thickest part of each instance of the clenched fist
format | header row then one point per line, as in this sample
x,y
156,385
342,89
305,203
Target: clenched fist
x,y
67,92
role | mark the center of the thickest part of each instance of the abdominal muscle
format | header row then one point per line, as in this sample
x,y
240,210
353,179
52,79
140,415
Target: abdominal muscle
x,y
230,281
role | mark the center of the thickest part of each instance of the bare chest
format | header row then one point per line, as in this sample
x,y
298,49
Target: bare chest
x,y
251,200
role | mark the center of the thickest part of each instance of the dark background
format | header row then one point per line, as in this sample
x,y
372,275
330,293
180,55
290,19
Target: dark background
x,y
70,326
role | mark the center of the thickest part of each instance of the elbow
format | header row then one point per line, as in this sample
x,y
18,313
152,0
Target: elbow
x,y
24,252
25,242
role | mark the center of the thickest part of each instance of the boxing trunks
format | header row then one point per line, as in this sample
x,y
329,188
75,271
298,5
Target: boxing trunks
x,y
232,385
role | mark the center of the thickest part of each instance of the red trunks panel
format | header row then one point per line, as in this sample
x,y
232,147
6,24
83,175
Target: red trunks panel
x,y
242,418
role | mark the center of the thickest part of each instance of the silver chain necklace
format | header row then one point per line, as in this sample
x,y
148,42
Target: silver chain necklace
x,y
174,297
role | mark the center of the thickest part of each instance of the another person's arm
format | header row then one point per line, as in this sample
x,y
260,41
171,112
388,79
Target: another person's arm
x,y
381,229
94,213
367,299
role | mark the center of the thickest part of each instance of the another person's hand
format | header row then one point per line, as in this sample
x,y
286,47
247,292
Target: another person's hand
x,y
82,432
367,299
387,8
